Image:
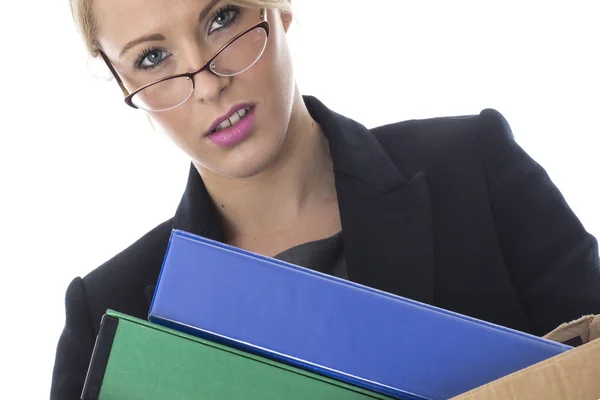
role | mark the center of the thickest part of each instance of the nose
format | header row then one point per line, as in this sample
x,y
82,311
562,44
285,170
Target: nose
x,y
208,86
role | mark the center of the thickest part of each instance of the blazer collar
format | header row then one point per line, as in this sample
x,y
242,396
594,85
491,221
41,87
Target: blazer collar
x,y
355,151
386,216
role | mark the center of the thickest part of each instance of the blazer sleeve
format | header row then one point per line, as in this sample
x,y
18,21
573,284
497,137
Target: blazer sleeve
x,y
551,259
75,346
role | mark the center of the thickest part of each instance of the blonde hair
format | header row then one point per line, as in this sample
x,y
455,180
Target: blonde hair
x,y
83,15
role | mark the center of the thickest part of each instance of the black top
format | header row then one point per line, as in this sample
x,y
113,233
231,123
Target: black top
x,y
446,211
325,255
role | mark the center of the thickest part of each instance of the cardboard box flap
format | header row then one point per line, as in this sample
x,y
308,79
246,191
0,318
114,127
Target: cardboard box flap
x,y
571,375
586,328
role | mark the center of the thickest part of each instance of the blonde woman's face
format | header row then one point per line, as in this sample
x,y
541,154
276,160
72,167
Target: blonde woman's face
x,y
147,40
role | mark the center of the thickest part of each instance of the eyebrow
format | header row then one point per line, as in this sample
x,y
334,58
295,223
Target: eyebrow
x,y
207,10
157,37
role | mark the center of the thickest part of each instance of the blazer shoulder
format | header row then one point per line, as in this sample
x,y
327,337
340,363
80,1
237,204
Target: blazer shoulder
x,y
444,138
489,122
119,283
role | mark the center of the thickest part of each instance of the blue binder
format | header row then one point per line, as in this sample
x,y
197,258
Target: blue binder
x,y
333,327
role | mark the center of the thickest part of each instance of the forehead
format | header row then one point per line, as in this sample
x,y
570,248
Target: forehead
x,y
120,21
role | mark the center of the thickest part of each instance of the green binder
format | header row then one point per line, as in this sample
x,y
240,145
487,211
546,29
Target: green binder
x,y
134,359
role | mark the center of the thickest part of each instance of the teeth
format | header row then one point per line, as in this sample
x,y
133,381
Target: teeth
x,y
233,119
223,125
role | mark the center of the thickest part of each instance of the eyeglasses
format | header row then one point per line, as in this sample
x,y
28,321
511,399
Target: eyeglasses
x,y
236,56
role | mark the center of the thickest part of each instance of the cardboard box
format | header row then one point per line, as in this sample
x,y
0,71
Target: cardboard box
x,y
134,359
572,375
337,328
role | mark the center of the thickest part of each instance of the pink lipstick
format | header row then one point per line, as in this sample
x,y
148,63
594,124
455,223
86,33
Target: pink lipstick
x,y
227,132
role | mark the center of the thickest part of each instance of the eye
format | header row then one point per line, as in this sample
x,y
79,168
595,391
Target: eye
x,y
150,58
223,18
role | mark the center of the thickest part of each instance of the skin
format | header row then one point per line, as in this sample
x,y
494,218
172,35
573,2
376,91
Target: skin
x,y
274,189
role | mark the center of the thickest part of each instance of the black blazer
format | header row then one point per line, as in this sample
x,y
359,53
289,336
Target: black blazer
x,y
446,211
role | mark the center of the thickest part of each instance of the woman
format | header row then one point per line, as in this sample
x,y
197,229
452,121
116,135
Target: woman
x,y
446,211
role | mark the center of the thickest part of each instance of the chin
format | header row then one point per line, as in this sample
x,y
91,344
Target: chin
x,y
245,161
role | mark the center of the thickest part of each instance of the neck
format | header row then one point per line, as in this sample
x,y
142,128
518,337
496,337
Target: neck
x,y
301,176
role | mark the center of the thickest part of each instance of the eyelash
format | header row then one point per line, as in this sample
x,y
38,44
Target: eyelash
x,y
224,9
142,56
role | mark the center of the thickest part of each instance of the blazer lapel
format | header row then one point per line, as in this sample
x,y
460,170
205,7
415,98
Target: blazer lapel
x,y
386,216
195,214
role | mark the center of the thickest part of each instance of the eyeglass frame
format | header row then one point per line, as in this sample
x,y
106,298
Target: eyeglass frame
x,y
264,24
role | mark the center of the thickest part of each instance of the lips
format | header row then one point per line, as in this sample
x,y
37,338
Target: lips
x,y
236,133
234,119
228,115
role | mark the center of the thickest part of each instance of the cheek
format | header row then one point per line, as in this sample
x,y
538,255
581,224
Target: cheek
x,y
272,75
279,58
272,81
177,125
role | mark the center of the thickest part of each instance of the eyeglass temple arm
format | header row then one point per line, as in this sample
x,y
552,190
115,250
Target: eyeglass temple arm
x,y
114,73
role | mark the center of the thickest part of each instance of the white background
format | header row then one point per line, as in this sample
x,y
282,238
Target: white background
x,y
83,176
